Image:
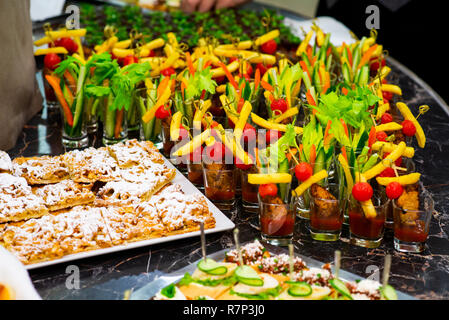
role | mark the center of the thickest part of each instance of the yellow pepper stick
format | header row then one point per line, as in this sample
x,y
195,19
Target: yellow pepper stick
x,y
319,34
80,47
408,115
175,125
391,158
265,178
383,107
390,126
271,125
345,166
367,206
287,114
160,102
77,56
273,70
60,34
124,44
243,118
367,44
167,63
391,88
193,144
320,175
242,45
410,178
303,45
221,88
388,147
210,141
297,88
108,45
267,37
383,73
219,72
255,57
228,140
200,113
154,44
60,50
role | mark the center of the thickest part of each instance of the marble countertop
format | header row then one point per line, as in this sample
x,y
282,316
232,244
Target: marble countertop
x,y
425,276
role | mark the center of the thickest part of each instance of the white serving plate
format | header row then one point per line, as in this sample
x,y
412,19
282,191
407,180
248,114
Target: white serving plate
x,y
222,223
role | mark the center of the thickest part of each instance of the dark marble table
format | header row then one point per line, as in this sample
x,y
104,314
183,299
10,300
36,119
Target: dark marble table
x,y
425,276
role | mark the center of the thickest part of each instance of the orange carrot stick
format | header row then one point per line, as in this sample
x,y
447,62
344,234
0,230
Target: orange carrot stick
x,y
54,83
345,127
310,99
229,75
189,63
162,86
118,123
367,56
344,154
312,157
256,79
266,85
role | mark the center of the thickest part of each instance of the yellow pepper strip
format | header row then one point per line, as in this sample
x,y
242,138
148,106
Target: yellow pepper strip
x,y
297,88
228,140
193,144
80,47
53,35
221,88
108,45
60,50
408,115
77,56
171,38
199,114
255,57
210,141
243,118
271,125
272,70
267,37
367,206
242,45
154,44
265,178
367,44
124,44
320,175
155,62
167,63
391,88
411,178
388,147
303,45
219,72
283,63
391,158
383,73
175,125
160,102
378,51
383,107
319,35
390,126
287,114
345,166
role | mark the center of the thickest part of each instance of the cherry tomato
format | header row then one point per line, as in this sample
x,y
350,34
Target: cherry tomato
x,y
263,68
269,47
362,191
168,71
216,152
249,69
119,60
303,171
386,118
375,64
232,59
51,61
272,136
67,43
387,173
269,189
394,190
279,104
130,60
249,133
408,128
220,80
239,163
162,112
381,136
387,95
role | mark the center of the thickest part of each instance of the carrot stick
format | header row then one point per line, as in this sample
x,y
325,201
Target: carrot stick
x,y
68,76
207,64
54,83
304,68
118,123
162,86
312,157
301,147
256,79
349,53
367,56
310,99
345,127
266,85
228,75
183,88
326,131
190,64
344,154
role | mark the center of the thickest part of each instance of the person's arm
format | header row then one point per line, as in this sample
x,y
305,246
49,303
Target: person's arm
x,y
190,6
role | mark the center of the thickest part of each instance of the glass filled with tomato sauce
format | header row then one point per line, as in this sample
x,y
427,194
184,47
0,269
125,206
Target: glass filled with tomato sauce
x,y
412,213
220,181
277,218
367,231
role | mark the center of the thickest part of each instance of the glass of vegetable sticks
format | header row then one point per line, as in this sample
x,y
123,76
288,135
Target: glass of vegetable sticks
x,y
151,130
220,185
50,97
367,231
412,214
115,128
90,113
250,201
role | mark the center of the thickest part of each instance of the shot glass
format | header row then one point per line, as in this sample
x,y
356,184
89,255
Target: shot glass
x,y
277,220
326,213
250,201
367,231
411,227
220,185
195,174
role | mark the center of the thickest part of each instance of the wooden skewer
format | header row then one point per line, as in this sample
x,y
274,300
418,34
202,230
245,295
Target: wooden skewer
x,y
387,267
290,260
203,240
237,245
337,260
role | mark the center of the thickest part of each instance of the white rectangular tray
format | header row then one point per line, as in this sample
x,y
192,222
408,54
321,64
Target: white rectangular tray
x,y
222,223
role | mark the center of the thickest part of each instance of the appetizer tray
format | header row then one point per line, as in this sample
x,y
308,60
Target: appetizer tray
x,y
148,291
223,223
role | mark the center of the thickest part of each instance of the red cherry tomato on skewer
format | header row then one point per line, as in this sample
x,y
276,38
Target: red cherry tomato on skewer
x,y
394,190
51,61
386,118
279,104
362,191
303,171
269,47
269,189
408,128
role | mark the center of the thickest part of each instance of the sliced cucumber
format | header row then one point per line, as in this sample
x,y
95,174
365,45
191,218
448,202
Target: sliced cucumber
x,y
248,276
300,289
340,286
388,292
210,266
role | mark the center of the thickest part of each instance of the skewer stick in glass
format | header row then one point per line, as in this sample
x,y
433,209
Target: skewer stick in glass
x,y
386,273
237,245
203,240
290,260
337,260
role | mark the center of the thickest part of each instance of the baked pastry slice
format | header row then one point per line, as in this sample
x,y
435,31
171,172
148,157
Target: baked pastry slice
x,y
65,194
5,162
17,202
91,165
133,153
54,236
40,170
181,213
